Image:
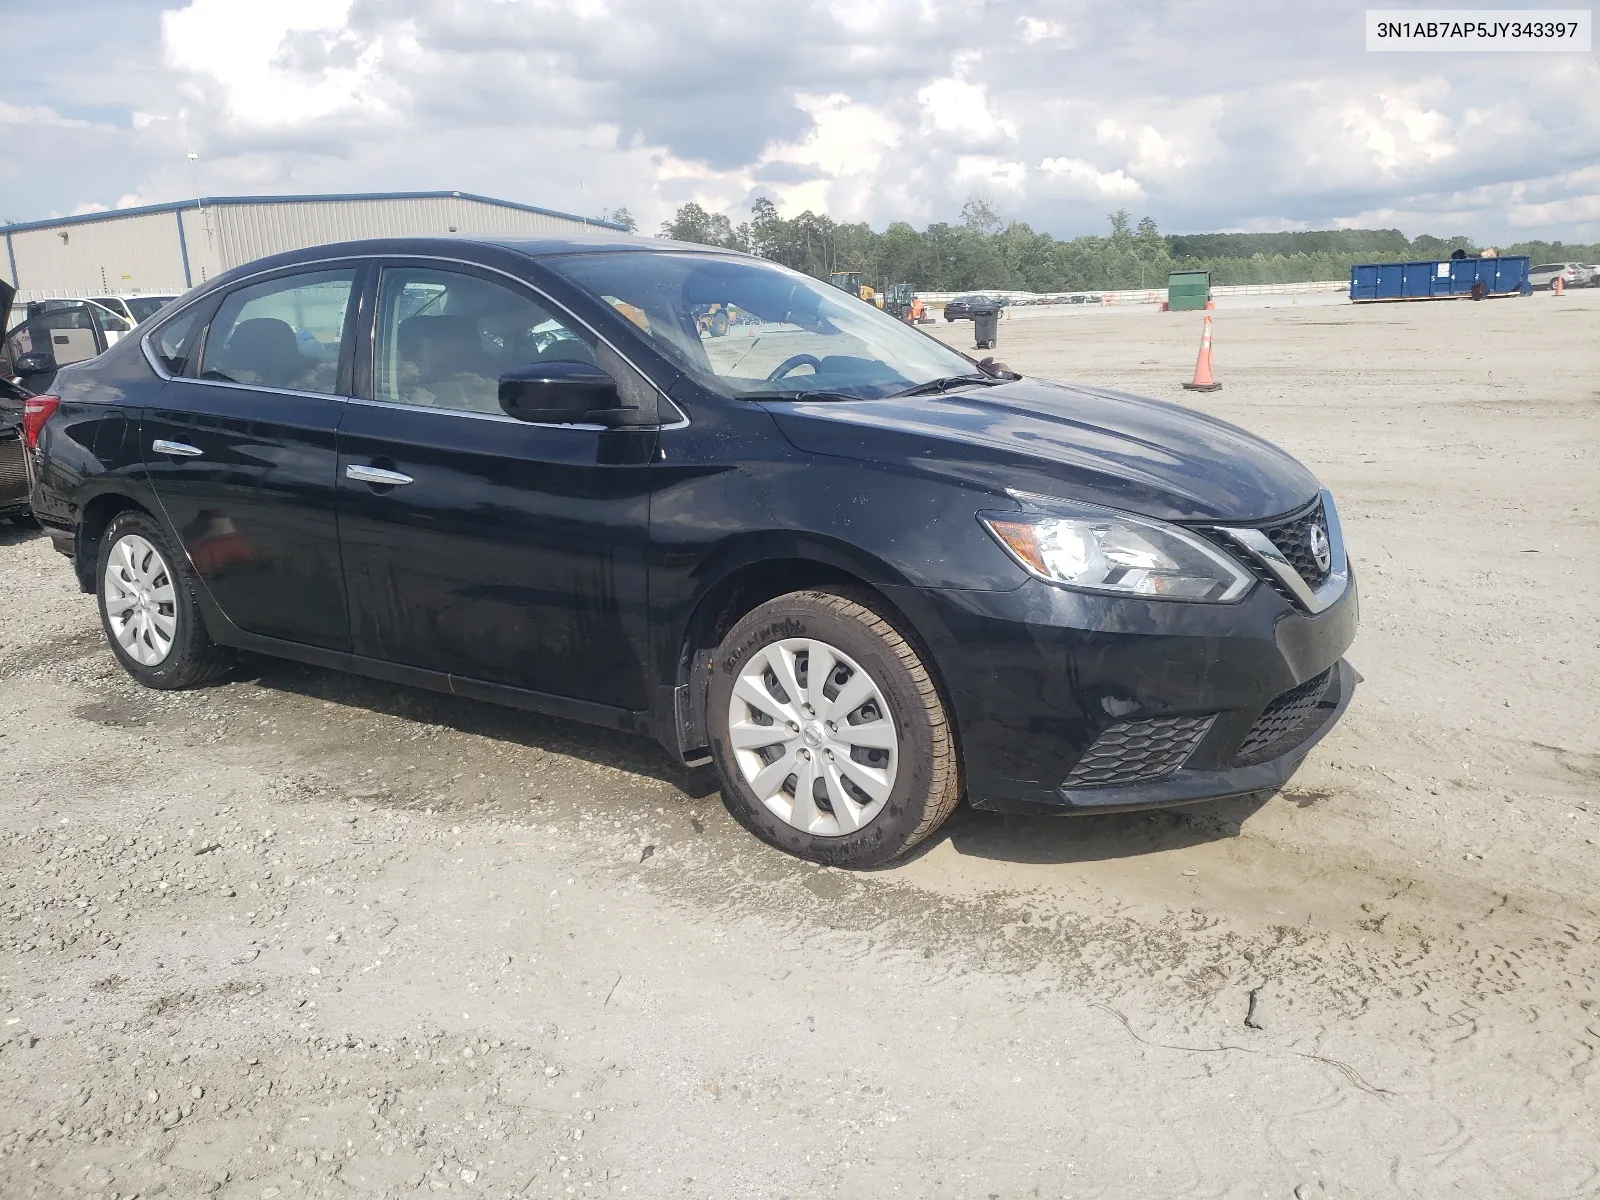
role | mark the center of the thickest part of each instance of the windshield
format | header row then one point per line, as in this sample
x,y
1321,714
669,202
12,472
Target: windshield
x,y
146,306
751,328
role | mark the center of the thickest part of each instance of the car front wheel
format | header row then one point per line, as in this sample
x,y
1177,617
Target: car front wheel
x,y
148,607
828,731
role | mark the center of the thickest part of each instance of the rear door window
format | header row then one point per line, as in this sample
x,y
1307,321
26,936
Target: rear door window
x,y
285,333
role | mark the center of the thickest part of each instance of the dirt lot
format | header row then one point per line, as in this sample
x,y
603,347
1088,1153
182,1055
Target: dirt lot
x,y
306,935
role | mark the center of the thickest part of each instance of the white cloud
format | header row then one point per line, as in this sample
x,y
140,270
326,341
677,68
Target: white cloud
x,y
985,172
1398,131
1111,184
36,116
239,50
953,105
1039,29
874,110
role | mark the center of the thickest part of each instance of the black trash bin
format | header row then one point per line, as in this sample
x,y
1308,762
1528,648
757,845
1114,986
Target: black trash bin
x,y
986,325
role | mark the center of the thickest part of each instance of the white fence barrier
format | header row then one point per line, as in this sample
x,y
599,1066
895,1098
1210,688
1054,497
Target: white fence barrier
x,y
1142,295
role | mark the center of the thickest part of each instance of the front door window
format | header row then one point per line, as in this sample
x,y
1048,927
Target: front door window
x,y
445,338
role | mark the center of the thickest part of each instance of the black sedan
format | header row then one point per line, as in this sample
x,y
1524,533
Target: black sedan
x,y
861,574
960,309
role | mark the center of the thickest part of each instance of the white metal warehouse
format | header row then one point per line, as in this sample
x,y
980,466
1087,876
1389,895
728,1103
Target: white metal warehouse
x,y
172,247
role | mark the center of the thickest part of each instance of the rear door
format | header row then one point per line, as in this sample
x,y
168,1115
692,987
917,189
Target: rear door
x,y
481,546
240,451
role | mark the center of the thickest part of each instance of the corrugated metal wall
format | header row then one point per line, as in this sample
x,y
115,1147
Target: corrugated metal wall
x,y
248,232
144,253
203,241
137,253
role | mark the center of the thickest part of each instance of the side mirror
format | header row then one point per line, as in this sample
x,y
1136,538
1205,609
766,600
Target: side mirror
x,y
35,363
560,393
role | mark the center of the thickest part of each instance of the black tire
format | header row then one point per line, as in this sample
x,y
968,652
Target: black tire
x,y
927,784
193,658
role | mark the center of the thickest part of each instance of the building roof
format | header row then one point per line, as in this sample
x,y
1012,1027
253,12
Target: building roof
x,y
537,245
221,201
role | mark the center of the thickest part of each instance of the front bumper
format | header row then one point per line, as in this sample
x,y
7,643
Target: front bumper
x,y
1190,784
1042,679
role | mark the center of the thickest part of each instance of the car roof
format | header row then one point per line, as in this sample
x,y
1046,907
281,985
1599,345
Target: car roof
x,y
539,245
534,246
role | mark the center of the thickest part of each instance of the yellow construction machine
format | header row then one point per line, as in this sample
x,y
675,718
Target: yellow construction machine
x,y
850,281
714,321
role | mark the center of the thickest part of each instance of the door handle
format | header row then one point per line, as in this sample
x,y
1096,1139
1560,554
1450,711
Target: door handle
x,y
376,475
177,449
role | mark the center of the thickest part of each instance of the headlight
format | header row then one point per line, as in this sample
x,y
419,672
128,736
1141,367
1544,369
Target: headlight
x,y
1101,550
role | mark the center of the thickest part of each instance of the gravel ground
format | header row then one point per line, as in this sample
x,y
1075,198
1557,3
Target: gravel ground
x,y
308,935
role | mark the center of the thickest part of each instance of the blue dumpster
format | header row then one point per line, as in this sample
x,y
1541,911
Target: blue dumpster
x,y
1441,280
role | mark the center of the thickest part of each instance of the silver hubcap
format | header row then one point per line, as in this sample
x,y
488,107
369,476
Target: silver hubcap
x,y
813,737
141,604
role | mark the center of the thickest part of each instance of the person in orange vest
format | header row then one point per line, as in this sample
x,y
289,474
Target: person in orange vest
x,y
916,309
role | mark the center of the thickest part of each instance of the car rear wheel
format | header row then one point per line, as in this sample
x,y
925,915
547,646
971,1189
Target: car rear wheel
x,y
148,608
828,732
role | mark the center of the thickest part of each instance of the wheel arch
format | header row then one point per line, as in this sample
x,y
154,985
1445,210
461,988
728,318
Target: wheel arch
x,y
96,517
747,576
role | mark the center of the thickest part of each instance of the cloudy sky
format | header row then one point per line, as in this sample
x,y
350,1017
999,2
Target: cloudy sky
x,y
1204,115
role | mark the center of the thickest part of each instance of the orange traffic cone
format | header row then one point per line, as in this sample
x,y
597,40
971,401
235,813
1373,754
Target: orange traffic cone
x,y
1560,286
1202,365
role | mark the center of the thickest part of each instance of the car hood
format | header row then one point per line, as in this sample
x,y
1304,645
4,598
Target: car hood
x,y
1065,440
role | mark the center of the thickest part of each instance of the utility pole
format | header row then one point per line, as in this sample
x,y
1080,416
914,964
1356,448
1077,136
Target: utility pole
x,y
205,215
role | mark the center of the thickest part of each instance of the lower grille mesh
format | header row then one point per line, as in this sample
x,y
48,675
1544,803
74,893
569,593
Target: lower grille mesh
x,y
1281,726
1138,751
13,478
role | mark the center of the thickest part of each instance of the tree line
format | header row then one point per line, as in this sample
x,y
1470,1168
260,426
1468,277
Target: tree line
x,y
983,251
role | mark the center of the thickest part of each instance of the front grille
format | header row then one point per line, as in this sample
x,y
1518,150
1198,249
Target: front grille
x,y
1293,540
1284,724
13,477
1138,751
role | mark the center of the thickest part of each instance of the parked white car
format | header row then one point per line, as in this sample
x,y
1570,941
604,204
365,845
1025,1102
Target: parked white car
x,y
1571,274
135,308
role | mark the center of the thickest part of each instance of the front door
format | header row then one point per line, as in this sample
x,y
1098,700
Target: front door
x,y
240,451
481,546
52,335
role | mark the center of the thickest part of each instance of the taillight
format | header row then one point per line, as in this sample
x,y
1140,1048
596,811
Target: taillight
x,y
36,411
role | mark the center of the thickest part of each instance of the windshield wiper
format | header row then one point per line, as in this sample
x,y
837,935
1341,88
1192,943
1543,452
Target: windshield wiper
x,y
944,384
821,394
